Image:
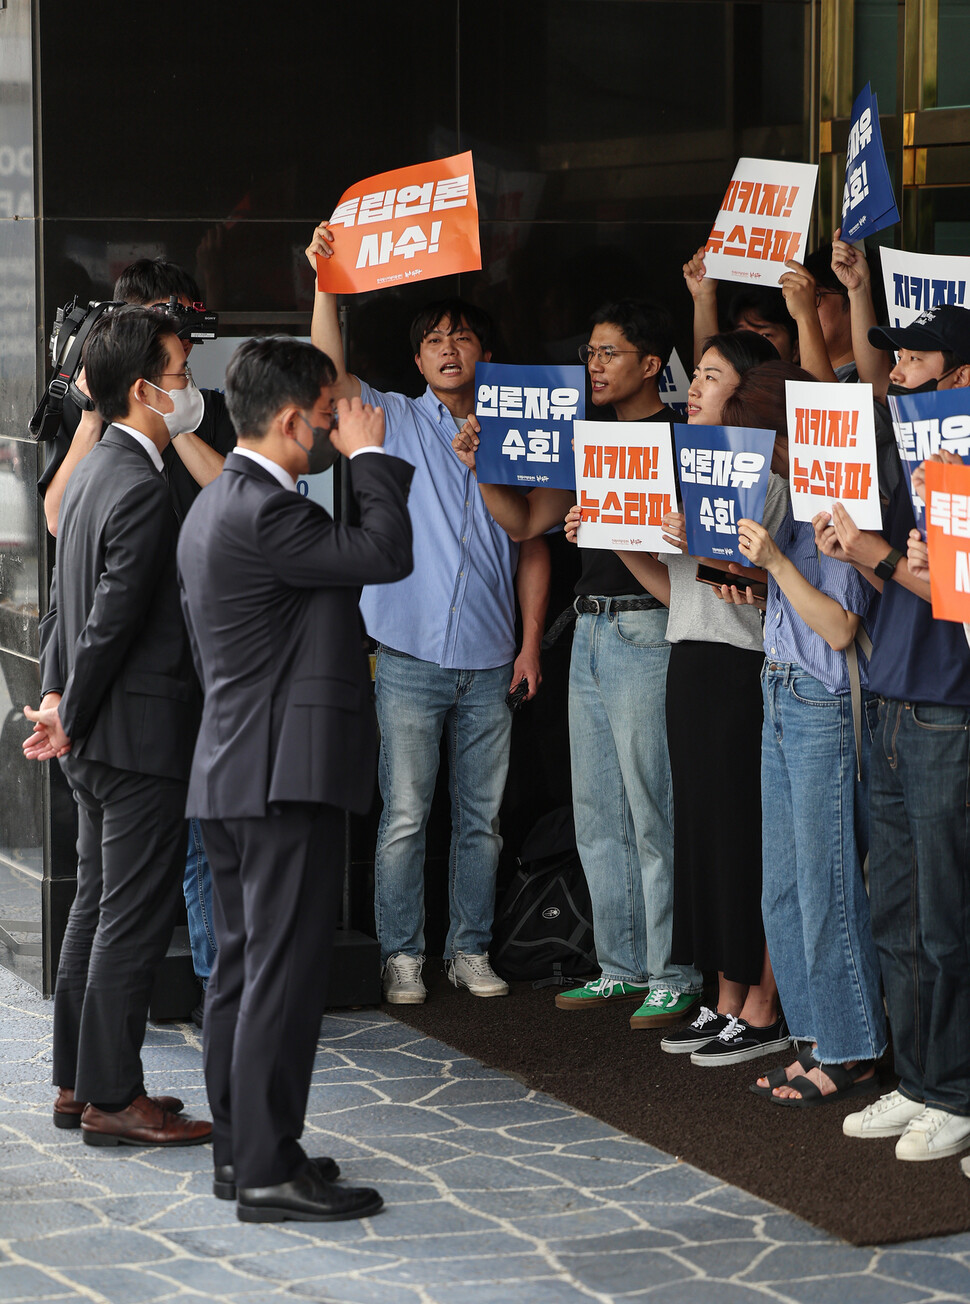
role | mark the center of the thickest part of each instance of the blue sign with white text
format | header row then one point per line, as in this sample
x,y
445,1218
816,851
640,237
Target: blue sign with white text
x,y
526,415
925,423
868,204
723,473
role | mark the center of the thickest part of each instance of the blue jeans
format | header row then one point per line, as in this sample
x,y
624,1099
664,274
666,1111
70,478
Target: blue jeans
x,y
197,886
622,797
416,700
919,877
814,838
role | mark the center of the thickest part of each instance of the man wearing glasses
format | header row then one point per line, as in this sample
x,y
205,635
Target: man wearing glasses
x,y
120,710
622,798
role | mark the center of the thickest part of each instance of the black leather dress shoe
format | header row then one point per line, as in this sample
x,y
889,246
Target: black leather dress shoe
x,y
307,1198
224,1180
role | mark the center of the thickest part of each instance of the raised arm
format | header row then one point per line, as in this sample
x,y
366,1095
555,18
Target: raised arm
x,y
325,325
704,293
798,287
852,269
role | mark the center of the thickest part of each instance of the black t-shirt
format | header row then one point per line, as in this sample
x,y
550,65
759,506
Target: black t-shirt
x,y
604,575
215,429
915,658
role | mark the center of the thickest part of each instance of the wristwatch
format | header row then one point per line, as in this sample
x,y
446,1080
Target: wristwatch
x,y
885,568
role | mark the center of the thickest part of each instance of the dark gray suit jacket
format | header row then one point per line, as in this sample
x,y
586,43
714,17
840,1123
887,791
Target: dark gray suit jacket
x,y
270,586
114,641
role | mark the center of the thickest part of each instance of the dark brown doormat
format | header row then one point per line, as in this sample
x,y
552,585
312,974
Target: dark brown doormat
x,y
798,1159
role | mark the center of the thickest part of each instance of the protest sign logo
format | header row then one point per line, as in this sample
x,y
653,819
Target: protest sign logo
x,y
625,483
673,384
407,225
868,204
763,221
526,415
925,423
948,539
832,451
915,283
723,473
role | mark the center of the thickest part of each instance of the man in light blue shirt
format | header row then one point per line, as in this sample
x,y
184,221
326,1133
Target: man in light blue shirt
x,y
446,651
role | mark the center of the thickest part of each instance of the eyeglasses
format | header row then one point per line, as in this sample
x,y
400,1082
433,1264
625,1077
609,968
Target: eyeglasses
x,y
819,292
604,353
185,373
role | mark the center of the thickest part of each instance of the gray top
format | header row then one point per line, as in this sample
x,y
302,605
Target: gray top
x,y
696,614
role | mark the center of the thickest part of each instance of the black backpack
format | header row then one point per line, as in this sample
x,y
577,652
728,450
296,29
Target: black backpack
x,y
543,929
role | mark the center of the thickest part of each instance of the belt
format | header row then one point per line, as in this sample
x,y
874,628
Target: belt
x,y
584,606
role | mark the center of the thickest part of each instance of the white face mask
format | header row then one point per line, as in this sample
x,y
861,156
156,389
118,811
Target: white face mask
x,y
188,410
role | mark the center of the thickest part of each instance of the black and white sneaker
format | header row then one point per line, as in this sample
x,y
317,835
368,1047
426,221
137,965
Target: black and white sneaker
x,y
692,1036
740,1040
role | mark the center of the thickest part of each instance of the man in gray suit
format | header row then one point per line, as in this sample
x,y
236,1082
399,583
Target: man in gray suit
x,y
287,743
120,709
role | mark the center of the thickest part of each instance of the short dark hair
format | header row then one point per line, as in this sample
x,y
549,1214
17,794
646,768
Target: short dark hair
x,y
742,349
125,345
769,304
759,398
432,314
149,279
647,325
951,361
267,374
819,264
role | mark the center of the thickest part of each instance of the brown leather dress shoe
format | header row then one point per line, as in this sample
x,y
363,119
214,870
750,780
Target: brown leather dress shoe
x,y
68,1111
143,1123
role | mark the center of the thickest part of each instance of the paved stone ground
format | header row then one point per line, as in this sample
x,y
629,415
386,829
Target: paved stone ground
x,y
494,1193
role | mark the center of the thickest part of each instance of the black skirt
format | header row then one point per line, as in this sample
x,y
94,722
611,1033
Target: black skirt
x,y
714,719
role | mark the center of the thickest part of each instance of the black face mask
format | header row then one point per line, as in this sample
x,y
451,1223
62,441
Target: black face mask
x,y
927,387
321,454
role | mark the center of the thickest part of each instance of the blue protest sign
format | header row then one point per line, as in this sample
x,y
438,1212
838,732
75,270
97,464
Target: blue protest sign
x,y
868,203
925,423
723,472
526,415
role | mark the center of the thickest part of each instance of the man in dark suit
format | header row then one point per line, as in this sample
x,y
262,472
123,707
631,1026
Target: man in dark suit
x,y
287,743
120,709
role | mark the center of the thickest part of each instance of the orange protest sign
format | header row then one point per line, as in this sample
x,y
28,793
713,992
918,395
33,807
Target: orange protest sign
x,y
407,225
948,538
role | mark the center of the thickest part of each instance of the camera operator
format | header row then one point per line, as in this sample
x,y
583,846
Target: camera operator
x,y
193,458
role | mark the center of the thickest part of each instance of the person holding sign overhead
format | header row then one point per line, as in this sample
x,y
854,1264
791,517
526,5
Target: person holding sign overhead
x,y
617,733
446,650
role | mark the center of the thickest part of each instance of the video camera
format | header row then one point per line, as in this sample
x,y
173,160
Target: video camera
x,y
72,326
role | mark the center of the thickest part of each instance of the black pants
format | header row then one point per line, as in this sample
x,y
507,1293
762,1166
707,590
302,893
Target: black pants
x,y
275,887
131,857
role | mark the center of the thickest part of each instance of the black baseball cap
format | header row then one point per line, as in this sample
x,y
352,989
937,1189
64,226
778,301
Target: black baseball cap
x,y
945,329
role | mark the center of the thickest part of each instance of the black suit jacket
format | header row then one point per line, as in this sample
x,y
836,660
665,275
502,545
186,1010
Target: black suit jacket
x,y
114,641
270,586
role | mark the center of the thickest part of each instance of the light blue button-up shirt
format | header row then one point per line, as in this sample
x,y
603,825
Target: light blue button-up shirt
x,y
457,607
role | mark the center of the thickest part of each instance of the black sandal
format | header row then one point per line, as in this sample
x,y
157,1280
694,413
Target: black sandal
x,y
848,1082
779,1077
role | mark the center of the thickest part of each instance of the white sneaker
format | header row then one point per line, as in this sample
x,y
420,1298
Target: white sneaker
x,y
890,1115
475,973
402,980
934,1134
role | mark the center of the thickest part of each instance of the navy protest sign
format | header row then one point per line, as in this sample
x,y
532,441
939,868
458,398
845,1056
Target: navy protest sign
x,y
925,423
868,204
723,474
526,415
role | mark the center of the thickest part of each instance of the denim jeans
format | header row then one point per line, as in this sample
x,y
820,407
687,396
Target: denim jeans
x,y
919,876
814,837
622,797
197,887
416,700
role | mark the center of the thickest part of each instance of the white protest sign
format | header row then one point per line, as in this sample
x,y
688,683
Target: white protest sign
x,y
625,483
916,282
832,451
673,384
762,222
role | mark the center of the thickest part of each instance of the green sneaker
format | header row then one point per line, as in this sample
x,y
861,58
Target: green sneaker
x,y
662,1008
597,991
